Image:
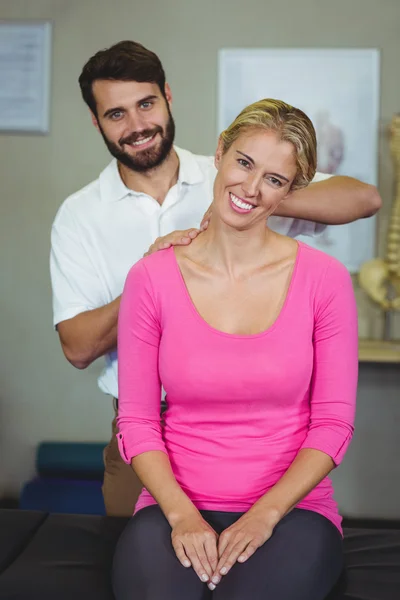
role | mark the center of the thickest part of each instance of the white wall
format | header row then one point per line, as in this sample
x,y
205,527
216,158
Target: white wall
x,y
41,396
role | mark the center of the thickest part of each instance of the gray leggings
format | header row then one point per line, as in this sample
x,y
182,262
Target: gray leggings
x,y
301,561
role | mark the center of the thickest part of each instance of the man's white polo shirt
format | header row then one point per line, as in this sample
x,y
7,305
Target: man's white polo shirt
x,y
103,229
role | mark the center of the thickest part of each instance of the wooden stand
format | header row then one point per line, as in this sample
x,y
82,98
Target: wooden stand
x,y
378,351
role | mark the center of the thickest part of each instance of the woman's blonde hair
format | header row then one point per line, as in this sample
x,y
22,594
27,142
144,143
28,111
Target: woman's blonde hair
x,y
290,123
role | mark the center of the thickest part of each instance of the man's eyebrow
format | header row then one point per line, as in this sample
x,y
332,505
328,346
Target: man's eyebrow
x,y
121,108
147,98
252,162
114,109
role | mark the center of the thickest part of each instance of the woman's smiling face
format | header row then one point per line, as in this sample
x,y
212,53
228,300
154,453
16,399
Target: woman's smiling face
x,y
254,175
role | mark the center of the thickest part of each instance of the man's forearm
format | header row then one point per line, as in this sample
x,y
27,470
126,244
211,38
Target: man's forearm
x,y
334,201
90,334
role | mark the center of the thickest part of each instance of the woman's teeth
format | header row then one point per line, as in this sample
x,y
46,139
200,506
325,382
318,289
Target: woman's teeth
x,y
144,141
237,202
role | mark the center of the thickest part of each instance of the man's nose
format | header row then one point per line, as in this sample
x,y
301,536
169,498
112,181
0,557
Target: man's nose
x,y
135,123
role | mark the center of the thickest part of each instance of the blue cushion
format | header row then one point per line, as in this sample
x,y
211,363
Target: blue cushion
x,y
71,459
66,496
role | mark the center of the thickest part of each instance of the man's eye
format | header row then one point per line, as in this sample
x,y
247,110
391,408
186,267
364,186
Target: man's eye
x,y
146,104
116,115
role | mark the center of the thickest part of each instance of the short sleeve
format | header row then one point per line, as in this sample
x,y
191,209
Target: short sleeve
x,y
308,228
335,369
75,284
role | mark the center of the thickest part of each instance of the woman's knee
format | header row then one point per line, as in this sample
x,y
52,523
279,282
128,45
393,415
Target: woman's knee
x,y
145,565
142,545
312,548
301,561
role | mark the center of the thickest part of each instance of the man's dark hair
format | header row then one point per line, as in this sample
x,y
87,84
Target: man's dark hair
x,y
125,61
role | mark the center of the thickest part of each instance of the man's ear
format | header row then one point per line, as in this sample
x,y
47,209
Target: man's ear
x,y
168,94
218,153
95,121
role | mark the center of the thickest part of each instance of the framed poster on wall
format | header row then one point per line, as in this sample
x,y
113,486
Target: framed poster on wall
x,y
339,91
25,61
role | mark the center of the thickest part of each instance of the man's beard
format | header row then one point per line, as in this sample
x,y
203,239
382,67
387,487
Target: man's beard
x,y
147,159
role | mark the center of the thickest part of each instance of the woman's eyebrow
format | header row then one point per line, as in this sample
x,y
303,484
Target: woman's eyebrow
x,y
252,162
246,156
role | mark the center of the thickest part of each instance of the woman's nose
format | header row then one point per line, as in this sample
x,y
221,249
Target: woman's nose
x,y
250,186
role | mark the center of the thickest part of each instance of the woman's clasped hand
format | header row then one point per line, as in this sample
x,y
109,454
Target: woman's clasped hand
x,y
197,545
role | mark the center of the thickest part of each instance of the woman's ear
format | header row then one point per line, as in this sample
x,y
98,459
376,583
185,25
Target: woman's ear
x,y
218,153
290,192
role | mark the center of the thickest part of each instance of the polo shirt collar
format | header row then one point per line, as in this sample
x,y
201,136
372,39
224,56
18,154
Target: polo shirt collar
x,y
112,188
189,170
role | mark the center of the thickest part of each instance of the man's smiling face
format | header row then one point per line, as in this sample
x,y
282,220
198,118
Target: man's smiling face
x,y
135,121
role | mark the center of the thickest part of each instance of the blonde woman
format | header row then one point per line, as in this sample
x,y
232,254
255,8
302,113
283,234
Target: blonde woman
x,y
253,335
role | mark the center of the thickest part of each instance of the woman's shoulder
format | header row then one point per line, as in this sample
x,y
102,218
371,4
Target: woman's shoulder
x,y
151,282
319,263
154,269
325,277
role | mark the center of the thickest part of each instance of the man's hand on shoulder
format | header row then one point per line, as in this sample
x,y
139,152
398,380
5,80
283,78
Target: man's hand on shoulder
x,y
176,238
180,237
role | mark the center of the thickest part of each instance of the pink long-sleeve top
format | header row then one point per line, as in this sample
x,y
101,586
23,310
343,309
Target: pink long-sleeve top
x,y
240,407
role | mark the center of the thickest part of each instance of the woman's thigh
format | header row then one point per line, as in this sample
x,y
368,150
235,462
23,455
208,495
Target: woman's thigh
x,y
145,565
301,561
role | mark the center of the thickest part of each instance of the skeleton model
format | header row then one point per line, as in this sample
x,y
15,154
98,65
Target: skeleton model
x,y
380,278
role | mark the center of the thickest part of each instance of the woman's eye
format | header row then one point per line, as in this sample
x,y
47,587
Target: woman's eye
x,y
243,162
275,181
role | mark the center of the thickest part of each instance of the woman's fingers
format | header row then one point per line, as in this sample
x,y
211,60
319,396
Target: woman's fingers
x,y
234,552
223,542
181,554
195,542
201,571
249,551
227,559
224,547
201,553
212,553
238,552
231,556
210,546
190,556
239,542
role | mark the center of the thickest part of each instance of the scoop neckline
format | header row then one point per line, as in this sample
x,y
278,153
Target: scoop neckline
x,y
248,336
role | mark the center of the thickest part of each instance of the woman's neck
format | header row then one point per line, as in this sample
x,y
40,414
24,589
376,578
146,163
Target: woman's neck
x,y
234,252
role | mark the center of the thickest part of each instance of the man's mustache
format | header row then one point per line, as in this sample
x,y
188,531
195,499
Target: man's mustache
x,y
139,135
